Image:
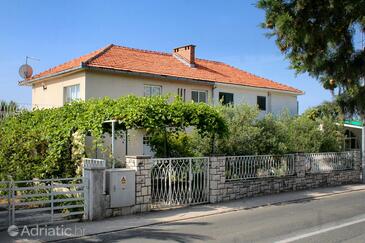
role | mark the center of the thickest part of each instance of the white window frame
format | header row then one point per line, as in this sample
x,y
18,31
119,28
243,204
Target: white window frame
x,y
71,93
199,95
151,87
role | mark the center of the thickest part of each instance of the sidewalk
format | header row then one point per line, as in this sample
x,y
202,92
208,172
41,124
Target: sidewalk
x,y
160,217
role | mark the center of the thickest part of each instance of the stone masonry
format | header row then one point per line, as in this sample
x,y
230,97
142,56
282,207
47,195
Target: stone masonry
x,y
220,189
142,165
224,190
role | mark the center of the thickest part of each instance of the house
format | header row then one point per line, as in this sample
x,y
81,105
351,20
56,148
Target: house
x,y
116,71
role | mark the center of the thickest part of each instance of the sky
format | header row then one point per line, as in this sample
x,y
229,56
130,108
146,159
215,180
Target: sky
x,y
57,31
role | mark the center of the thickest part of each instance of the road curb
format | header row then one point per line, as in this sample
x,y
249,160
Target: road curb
x,y
210,214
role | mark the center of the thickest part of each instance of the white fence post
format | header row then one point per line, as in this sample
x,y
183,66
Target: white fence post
x,y
95,200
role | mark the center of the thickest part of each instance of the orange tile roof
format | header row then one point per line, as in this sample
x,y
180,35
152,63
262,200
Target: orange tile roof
x,y
159,63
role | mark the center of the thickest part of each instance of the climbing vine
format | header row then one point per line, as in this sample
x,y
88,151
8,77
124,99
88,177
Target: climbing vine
x,y
42,143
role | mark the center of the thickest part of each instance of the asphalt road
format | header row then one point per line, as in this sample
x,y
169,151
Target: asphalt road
x,y
339,218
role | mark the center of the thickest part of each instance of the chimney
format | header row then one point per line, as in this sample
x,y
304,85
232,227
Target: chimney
x,y
185,54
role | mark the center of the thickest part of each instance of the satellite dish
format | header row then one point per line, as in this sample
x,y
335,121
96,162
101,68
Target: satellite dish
x,y
25,71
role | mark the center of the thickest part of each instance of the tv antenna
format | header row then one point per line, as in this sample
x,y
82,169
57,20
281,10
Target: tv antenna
x,y
25,70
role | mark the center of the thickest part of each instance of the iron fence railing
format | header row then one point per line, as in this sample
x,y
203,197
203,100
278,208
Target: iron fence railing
x,y
179,181
258,166
48,201
327,162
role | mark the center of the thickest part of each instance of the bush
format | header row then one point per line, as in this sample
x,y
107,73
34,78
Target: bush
x,y
172,144
250,135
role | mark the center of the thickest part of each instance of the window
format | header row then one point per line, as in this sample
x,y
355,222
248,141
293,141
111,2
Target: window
x,y
199,96
71,93
226,98
181,93
261,102
152,90
146,140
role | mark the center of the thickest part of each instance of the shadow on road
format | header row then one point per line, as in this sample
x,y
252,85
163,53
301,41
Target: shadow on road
x,y
158,234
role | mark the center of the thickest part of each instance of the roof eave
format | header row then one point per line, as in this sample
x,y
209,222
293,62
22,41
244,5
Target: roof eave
x,y
35,80
264,88
85,66
148,75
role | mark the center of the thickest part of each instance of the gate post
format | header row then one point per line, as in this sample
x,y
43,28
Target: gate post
x,y
95,198
300,165
142,164
216,178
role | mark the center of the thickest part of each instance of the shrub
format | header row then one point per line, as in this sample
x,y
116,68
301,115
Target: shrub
x,y
248,134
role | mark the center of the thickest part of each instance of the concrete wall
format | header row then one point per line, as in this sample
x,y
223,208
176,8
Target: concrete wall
x,y
98,85
53,95
276,102
104,84
224,190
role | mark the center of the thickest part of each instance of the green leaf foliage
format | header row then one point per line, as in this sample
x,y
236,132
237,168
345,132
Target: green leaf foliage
x,y
323,38
42,143
251,133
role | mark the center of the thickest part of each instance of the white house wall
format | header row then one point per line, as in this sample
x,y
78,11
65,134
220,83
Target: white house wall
x,y
50,92
281,102
277,103
101,84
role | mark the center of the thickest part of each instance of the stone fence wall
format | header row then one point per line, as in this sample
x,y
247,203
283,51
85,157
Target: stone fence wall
x,y
224,190
142,165
220,189
98,201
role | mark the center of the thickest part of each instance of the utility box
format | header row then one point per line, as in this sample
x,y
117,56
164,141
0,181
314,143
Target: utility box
x,y
121,186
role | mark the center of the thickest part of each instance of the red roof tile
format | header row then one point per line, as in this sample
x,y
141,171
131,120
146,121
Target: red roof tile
x,y
159,63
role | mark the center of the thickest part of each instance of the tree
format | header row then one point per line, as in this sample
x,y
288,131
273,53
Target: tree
x,y
318,37
327,109
272,134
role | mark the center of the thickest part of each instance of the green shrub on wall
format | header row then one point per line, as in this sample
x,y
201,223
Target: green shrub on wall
x,y
48,143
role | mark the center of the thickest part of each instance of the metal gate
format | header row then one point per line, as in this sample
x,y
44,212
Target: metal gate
x,y
179,181
41,202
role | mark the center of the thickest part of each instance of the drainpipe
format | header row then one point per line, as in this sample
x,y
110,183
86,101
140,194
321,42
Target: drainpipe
x,y
213,88
213,138
269,102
